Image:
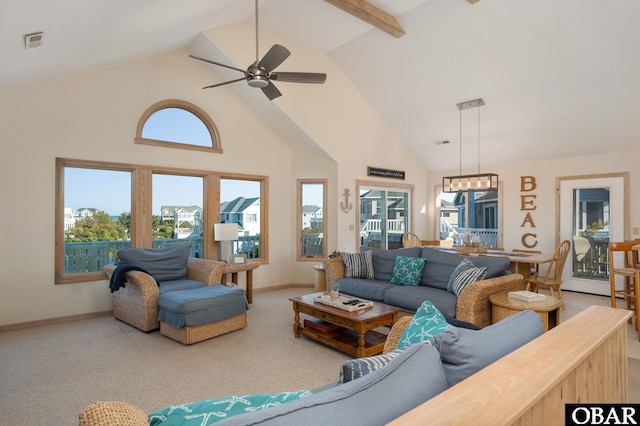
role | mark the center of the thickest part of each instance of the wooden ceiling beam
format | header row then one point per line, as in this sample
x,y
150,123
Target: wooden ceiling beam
x,y
371,14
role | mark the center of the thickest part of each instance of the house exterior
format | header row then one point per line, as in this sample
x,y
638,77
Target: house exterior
x,y
243,211
187,220
311,217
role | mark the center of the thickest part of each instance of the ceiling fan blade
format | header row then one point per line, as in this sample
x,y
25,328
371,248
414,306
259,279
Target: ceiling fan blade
x,y
218,63
274,57
226,82
271,91
299,77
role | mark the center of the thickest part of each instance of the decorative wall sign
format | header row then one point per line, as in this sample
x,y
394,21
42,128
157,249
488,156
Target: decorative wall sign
x,y
394,174
527,204
345,205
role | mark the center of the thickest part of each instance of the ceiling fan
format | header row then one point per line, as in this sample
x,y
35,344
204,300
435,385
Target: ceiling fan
x,y
260,73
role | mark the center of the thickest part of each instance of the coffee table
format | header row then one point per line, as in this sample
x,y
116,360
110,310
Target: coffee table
x,y
356,335
503,306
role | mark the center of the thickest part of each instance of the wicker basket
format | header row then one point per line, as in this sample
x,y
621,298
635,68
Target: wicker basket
x,y
190,335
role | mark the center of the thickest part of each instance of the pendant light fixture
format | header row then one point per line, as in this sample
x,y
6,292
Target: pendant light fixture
x,y
476,182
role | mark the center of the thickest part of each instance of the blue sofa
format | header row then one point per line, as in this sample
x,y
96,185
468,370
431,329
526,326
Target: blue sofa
x,y
380,394
471,305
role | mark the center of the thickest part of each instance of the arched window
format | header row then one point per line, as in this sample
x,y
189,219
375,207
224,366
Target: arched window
x,y
179,124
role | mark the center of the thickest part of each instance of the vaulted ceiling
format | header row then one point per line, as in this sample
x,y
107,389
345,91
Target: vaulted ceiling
x,y
559,78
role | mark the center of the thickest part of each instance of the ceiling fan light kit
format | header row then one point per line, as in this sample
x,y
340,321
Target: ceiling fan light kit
x,y
471,182
260,73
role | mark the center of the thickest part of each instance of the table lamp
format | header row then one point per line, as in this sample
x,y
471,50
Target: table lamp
x,y
225,233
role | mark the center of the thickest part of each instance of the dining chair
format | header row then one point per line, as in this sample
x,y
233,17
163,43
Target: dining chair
x,y
629,268
409,239
430,242
553,276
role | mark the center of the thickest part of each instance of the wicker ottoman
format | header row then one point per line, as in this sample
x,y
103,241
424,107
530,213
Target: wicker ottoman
x,y
190,316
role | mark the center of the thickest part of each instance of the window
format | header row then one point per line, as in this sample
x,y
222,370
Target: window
x,y
241,203
479,209
384,213
177,212
93,218
102,207
312,199
178,124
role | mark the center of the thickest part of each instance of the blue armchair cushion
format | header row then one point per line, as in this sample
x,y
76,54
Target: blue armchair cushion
x,y
163,264
407,270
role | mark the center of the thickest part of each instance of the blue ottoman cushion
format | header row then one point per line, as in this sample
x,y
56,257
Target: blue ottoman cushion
x,y
200,306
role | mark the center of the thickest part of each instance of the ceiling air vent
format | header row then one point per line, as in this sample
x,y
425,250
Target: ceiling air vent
x,y
33,40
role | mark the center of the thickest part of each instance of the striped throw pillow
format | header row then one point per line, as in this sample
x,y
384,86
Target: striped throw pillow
x,y
358,265
355,368
465,273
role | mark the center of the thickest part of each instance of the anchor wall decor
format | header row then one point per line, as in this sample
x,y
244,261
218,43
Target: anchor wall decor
x,y
345,205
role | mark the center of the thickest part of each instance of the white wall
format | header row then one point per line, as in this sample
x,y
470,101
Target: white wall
x,y
545,173
329,132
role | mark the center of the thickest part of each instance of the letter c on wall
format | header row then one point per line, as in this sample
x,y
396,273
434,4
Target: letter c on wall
x,y
524,238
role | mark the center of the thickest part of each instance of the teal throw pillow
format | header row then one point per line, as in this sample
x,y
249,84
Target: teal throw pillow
x,y
358,265
427,322
407,270
210,411
465,273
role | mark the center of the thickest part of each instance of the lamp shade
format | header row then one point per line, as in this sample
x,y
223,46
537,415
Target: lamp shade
x,y
225,231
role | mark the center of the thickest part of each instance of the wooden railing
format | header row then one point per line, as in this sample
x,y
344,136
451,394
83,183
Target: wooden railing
x,y
93,256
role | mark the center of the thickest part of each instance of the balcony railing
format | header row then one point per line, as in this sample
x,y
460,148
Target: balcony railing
x,y
93,256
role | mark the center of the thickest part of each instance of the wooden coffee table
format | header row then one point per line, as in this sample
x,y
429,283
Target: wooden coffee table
x,y
503,306
355,336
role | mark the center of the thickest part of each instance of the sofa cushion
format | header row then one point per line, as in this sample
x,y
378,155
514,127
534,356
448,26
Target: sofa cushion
x,y
211,411
366,289
426,323
407,270
440,265
465,273
358,265
383,260
163,264
410,298
355,368
465,352
413,377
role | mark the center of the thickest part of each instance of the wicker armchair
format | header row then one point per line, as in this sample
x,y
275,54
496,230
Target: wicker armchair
x,y
473,303
137,303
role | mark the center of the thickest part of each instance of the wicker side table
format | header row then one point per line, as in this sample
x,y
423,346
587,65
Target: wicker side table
x,y
503,306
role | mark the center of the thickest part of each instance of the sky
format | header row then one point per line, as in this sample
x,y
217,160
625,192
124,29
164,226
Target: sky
x,y
109,191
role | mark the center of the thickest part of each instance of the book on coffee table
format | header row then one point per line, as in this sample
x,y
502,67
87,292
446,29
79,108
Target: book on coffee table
x,y
527,296
319,325
347,303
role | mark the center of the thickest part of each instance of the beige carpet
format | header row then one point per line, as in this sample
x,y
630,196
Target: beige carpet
x,y
49,374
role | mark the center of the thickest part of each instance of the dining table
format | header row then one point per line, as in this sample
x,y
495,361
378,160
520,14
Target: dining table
x,y
519,262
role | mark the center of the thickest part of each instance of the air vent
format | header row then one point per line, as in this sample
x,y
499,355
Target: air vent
x,y
33,40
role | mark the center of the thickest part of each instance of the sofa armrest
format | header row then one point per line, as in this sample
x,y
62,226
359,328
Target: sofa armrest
x,y
205,270
334,269
144,283
396,333
112,413
473,303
